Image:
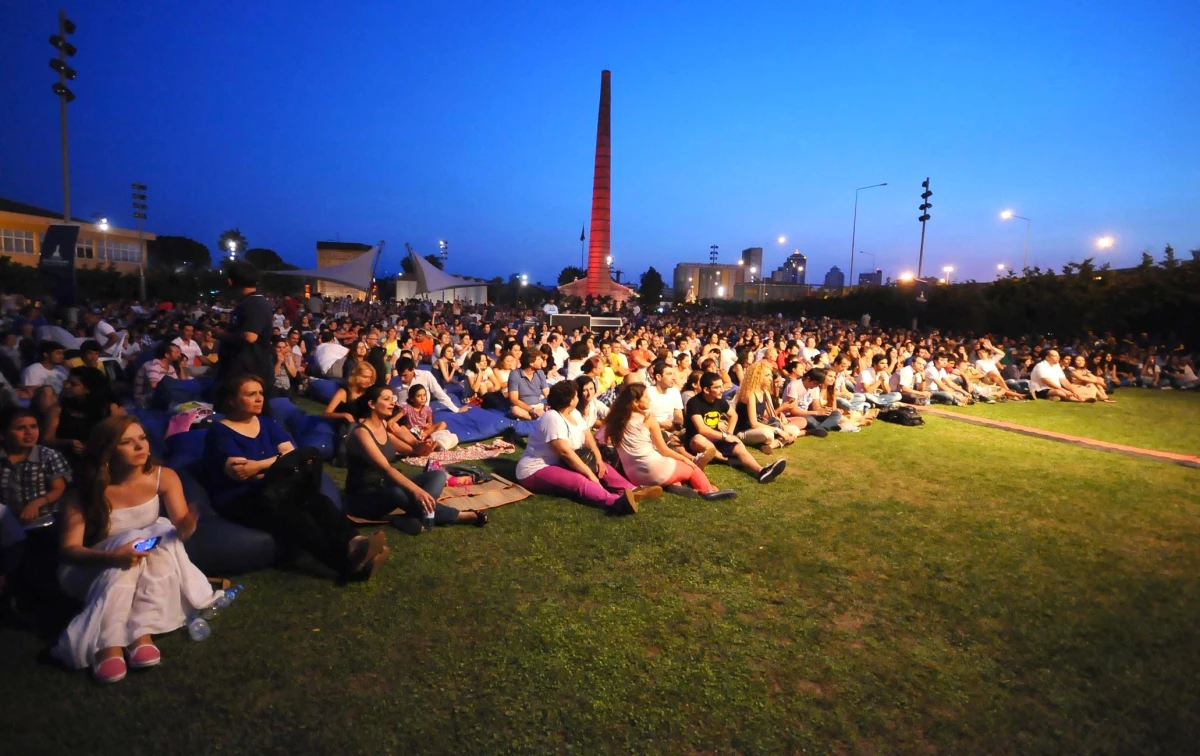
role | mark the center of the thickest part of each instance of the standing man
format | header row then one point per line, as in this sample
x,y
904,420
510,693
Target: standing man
x,y
246,346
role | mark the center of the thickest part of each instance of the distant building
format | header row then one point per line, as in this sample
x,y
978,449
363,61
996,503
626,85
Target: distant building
x,y
770,291
871,279
752,258
835,278
22,228
793,269
335,253
695,281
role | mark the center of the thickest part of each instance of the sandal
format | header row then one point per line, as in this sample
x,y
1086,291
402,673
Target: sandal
x,y
481,517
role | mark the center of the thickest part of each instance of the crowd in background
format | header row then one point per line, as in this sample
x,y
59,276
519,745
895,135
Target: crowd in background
x,y
610,418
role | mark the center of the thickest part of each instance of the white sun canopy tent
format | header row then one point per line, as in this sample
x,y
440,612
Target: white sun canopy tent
x,y
437,285
358,272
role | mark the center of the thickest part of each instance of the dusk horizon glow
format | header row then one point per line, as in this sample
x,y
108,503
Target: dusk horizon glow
x,y
476,125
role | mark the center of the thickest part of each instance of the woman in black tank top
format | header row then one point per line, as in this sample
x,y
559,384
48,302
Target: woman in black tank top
x,y
375,489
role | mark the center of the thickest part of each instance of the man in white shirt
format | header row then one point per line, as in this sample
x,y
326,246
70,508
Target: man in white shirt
x,y
1047,381
941,389
187,347
409,376
909,381
800,400
558,350
550,308
102,332
48,370
329,357
873,384
666,403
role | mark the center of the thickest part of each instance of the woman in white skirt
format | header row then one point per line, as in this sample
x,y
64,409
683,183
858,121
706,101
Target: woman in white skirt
x,y
126,563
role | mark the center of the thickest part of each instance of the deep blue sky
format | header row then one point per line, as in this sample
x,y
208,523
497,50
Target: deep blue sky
x,y
733,123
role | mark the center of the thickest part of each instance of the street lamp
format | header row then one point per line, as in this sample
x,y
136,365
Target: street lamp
x,y
906,277
1009,215
232,244
444,250
1105,242
854,228
947,270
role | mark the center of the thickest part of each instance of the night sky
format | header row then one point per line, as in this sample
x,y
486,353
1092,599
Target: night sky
x,y
733,123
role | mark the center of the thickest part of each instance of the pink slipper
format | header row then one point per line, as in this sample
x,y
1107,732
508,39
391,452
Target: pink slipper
x,y
110,670
144,656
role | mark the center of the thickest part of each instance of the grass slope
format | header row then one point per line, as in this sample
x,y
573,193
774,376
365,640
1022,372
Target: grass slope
x,y
1160,420
947,588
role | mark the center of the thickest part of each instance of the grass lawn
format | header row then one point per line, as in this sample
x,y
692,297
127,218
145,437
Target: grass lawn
x,y
1160,420
948,588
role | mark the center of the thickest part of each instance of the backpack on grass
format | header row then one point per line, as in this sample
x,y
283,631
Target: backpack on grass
x,y
902,416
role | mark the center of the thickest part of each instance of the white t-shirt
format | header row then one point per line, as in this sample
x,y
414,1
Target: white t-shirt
x,y
664,403
986,366
904,379
328,353
934,377
550,308
594,412
37,375
101,333
804,396
552,426
1042,371
189,349
865,377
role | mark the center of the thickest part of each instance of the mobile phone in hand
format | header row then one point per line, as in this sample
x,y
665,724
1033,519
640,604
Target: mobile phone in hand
x,y
147,544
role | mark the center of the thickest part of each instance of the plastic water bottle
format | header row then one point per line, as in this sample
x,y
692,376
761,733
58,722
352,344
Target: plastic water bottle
x,y
198,627
198,624
428,522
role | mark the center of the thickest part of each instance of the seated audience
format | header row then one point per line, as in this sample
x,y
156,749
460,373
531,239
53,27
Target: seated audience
x,y
706,432
408,376
48,370
528,388
130,593
1087,382
802,401
1048,381
757,423
645,457
374,488
419,417
256,477
166,364
85,401
562,459
329,358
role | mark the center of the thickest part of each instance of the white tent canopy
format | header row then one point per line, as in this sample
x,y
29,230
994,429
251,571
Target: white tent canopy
x,y
359,272
431,278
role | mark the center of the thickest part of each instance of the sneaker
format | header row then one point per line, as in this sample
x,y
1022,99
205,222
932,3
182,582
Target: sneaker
x,y
686,492
725,493
817,432
146,655
703,458
626,505
772,471
110,670
646,493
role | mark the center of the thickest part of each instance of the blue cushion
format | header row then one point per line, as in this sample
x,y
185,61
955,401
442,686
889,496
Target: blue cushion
x,y
315,431
456,390
172,391
282,410
323,389
184,450
330,489
221,547
155,424
523,427
475,424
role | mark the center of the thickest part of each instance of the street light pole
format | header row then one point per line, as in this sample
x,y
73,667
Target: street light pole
x,y
1008,214
139,212
870,255
854,227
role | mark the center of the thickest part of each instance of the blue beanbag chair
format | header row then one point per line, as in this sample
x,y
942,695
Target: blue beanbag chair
x,y
172,391
323,389
523,427
314,431
456,391
330,489
221,547
155,423
184,450
475,424
282,410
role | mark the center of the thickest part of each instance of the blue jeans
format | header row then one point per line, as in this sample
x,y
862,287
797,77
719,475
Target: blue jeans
x,y
1020,385
942,397
854,404
883,400
378,504
829,423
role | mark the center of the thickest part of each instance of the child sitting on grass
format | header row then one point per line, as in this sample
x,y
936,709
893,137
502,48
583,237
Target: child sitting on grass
x,y
420,420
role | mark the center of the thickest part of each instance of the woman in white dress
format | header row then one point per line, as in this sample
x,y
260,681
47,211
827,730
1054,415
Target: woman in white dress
x,y
130,592
645,456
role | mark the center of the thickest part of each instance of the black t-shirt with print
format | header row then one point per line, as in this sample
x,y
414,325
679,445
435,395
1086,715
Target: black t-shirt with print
x,y
237,357
712,412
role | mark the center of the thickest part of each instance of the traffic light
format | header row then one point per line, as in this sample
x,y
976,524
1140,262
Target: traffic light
x,y
924,208
65,50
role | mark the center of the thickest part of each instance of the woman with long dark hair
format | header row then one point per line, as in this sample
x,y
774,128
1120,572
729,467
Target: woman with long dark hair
x,y
122,559
645,456
257,478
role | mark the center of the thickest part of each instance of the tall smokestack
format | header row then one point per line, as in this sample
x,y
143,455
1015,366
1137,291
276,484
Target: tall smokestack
x,y
598,274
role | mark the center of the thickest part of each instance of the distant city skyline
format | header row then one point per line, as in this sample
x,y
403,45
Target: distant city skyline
x,y
731,126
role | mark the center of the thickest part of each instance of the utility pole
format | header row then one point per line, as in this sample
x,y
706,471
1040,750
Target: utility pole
x,y
139,212
65,73
924,208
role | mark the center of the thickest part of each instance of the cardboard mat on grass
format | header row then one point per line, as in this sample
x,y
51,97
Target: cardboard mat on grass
x,y
487,495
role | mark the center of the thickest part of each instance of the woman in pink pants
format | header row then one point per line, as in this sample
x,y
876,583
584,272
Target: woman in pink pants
x,y
645,456
554,462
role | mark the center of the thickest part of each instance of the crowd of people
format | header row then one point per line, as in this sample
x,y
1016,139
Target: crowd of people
x,y
613,418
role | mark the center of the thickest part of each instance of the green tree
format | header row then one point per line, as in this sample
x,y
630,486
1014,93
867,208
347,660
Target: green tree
x,y
1169,261
265,259
435,261
651,288
173,251
570,273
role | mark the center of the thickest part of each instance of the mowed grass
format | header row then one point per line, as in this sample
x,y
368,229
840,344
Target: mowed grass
x,y
948,588
1147,418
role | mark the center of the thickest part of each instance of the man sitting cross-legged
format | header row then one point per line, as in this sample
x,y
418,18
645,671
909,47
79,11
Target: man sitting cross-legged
x,y
1047,381
801,403
707,414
